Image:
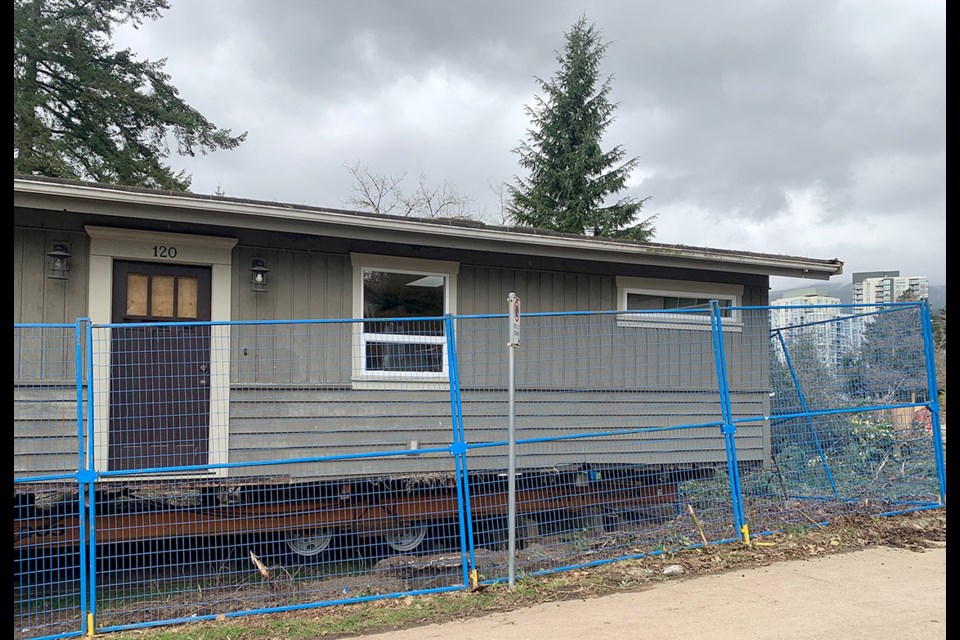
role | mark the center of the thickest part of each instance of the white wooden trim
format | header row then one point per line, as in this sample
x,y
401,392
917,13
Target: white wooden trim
x,y
109,244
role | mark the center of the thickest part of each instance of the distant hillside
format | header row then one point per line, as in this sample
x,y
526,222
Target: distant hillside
x,y
938,293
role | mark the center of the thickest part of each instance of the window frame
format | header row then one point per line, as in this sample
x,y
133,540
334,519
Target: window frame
x,y
677,289
365,263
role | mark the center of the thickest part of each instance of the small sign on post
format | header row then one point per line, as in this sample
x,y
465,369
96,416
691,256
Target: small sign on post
x,y
514,303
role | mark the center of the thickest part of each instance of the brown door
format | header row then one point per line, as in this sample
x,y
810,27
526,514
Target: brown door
x,y
159,376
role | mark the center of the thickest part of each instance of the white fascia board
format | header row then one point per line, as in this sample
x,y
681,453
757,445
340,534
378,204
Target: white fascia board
x,y
252,215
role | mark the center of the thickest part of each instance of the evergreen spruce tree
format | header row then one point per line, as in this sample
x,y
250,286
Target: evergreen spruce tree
x,y
571,180
83,110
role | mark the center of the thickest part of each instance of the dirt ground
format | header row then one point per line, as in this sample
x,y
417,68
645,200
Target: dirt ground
x,y
881,578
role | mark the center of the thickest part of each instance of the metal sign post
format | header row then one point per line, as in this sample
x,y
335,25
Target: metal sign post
x,y
513,311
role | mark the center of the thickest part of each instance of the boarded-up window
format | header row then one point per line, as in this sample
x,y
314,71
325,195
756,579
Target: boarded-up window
x,y
137,294
186,297
161,298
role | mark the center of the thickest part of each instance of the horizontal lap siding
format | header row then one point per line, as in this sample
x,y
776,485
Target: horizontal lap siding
x,y
288,424
275,425
561,413
284,424
45,437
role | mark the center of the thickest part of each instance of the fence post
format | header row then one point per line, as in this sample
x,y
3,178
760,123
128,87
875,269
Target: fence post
x,y
729,429
933,399
459,450
88,528
513,310
79,334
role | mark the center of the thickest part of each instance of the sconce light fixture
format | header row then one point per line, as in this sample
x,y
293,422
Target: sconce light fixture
x,y
258,275
59,261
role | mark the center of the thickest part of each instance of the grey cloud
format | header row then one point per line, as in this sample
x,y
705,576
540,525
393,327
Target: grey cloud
x,y
730,107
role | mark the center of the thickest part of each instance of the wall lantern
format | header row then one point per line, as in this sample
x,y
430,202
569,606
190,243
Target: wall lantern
x,y
59,261
258,275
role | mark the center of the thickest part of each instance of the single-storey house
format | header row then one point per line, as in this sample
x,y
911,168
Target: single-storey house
x,y
253,390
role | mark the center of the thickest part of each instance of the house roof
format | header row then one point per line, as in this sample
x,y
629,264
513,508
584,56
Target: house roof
x,y
74,196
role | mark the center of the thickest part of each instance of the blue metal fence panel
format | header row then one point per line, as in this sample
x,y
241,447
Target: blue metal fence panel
x,y
274,466
172,550
848,416
49,593
168,472
619,449
935,417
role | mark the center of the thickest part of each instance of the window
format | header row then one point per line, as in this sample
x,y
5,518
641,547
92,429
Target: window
x,y
393,295
408,346
151,296
646,296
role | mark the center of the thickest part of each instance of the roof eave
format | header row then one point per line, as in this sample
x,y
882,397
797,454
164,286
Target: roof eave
x,y
82,198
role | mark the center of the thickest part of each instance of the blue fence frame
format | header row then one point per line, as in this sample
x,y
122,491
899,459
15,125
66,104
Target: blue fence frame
x,y
742,500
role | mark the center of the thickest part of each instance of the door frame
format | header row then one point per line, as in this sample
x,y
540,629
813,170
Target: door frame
x,y
108,244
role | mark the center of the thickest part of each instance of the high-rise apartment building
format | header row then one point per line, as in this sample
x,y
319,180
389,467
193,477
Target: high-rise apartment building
x,y
812,314
871,287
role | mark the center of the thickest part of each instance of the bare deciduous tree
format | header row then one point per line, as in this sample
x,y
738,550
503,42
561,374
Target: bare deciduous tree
x,y
501,193
384,193
372,191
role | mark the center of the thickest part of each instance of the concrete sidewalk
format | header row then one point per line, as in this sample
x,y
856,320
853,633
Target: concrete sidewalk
x,y
879,593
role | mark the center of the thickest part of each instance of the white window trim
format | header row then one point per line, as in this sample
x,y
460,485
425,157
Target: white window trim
x,y
108,244
416,379
680,289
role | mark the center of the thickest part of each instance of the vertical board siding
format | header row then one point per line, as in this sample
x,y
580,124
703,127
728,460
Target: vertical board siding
x,y
39,299
485,289
590,352
301,286
683,358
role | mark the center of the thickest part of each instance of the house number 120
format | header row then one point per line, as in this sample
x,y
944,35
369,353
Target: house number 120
x,y
161,251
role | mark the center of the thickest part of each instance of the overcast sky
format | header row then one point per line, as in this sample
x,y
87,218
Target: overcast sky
x,y
813,128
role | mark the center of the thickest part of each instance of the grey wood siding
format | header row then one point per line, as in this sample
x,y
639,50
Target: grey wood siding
x,y
576,374
598,352
301,286
37,298
46,354
305,286
45,439
485,289
291,390
285,424
278,425
281,424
